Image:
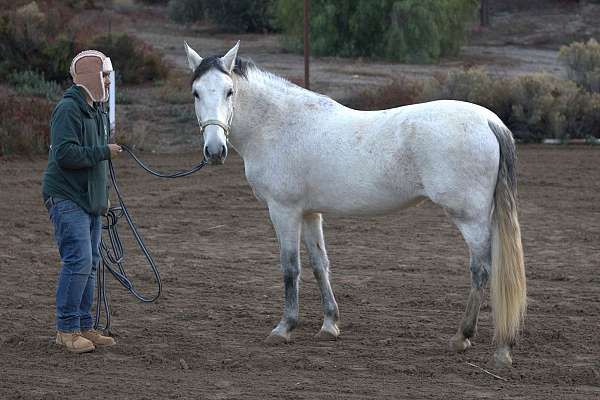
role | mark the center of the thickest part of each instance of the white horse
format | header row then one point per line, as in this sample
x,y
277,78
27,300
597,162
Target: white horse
x,y
305,154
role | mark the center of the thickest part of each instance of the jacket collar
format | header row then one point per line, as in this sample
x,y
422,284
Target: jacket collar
x,y
78,94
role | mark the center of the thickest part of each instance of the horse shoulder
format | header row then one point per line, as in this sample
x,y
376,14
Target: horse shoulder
x,y
272,180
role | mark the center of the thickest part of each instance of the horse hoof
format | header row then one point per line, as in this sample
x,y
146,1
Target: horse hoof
x,y
276,338
502,359
326,336
459,343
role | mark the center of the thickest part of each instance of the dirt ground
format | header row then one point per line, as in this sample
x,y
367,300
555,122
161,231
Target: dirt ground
x,y
401,283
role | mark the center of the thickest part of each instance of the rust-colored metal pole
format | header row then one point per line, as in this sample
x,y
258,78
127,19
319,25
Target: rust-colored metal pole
x,y
306,46
484,13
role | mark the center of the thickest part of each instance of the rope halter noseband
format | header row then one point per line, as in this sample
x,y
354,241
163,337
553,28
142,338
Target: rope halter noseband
x,y
208,122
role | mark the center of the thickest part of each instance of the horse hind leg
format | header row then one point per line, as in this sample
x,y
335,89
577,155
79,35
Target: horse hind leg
x,y
478,238
312,233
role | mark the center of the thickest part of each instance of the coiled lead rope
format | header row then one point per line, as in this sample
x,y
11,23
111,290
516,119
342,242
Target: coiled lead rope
x,y
113,254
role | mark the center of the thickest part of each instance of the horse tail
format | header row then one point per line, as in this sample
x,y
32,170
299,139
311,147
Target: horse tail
x,y
508,287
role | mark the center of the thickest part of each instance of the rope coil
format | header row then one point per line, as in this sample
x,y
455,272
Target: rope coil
x,y
113,254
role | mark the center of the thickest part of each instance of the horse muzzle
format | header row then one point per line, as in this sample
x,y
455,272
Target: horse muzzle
x,y
215,155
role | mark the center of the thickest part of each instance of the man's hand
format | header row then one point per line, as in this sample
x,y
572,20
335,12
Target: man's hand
x,y
115,149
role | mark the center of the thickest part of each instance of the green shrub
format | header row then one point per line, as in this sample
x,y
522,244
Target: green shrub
x,y
240,15
32,83
583,63
289,19
24,127
87,4
58,55
424,31
405,30
228,15
186,11
133,60
154,2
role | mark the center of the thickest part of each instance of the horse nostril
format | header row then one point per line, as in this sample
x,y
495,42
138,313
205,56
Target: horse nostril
x,y
206,152
223,151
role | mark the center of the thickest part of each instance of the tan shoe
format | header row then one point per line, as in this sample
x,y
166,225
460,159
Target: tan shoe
x,y
97,338
74,342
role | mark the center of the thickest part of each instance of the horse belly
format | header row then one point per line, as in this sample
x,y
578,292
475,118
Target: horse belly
x,y
371,209
361,198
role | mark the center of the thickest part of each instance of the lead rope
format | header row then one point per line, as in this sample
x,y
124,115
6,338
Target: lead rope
x,y
113,254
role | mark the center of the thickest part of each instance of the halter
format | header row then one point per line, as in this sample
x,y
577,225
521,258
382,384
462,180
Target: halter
x,y
208,122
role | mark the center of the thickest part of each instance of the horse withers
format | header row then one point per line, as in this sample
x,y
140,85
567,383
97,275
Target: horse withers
x,y
304,154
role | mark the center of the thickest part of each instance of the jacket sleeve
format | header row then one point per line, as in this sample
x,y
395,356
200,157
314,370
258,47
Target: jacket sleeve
x,y
65,134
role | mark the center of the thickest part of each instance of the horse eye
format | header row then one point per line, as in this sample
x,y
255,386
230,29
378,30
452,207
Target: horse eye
x,y
230,93
196,94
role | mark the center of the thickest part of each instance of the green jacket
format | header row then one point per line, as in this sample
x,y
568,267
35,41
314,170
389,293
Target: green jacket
x,y
77,169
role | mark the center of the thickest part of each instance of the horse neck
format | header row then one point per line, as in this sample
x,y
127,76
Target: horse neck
x,y
265,106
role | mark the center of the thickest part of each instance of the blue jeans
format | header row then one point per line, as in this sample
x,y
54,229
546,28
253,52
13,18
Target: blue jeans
x,y
77,235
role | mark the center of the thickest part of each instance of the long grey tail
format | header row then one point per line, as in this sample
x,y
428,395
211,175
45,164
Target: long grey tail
x,y
508,283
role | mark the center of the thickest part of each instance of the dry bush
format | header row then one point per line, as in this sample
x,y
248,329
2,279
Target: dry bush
x,y
176,89
39,36
296,80
583,63
402,91
38,40
24,127
134,61
44,36
472,85
134,135
583,116
538,106
534,107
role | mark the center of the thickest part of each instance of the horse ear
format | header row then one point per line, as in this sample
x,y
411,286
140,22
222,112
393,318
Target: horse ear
x,y
229,58
193,58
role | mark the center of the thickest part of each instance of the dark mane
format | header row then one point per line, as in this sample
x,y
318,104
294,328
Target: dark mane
x,y
241,67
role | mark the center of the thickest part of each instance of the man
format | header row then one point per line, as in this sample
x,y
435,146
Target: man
x,y
75,193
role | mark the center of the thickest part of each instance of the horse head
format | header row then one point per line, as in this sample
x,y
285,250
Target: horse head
x,y
213,90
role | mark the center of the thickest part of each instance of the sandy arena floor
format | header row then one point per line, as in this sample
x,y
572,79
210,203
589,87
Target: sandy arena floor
x,y
401,284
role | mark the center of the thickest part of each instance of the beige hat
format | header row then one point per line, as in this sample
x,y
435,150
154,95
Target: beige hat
x,y
87,68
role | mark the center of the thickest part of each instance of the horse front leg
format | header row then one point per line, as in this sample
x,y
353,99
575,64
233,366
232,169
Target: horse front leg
x,y
312,233
287,224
